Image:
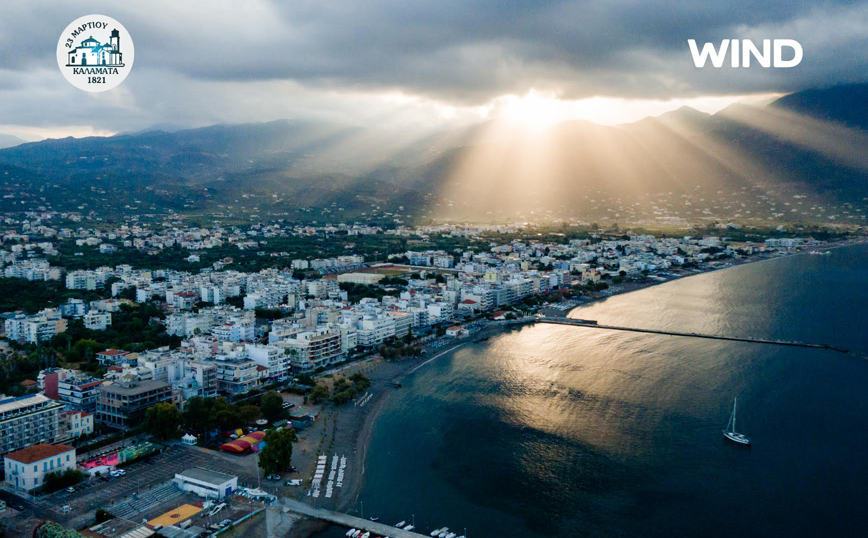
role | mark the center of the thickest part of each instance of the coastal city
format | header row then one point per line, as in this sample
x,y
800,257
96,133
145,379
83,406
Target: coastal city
x,y
132,390
407,269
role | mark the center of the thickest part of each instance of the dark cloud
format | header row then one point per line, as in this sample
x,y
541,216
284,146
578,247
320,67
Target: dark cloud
x,y
458,52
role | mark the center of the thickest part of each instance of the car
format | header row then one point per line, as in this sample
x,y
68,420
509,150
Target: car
x,y
226,521
114,473
19,507
121,472
273,477
70,489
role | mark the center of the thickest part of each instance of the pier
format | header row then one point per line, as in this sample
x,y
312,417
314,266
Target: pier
x,y
594,325
348,521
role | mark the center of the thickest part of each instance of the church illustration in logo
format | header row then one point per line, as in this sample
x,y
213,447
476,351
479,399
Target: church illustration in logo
x,y
91,53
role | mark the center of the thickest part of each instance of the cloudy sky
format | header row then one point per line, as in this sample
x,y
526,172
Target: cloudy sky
x,y
412,63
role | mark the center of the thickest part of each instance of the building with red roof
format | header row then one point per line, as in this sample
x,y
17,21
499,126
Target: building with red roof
x,y
26,469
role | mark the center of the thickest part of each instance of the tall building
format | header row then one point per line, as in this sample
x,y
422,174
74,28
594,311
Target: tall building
x,y
309,350
28,420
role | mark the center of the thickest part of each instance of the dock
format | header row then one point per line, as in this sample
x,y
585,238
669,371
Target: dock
x,y
348,521
594,325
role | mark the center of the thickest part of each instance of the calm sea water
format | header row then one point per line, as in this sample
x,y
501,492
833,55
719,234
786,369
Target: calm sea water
x,y
562,431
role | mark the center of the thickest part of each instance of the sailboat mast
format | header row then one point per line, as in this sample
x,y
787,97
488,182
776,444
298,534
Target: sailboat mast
x,y
734,403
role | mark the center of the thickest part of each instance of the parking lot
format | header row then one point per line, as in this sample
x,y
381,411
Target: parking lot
x,y
140,478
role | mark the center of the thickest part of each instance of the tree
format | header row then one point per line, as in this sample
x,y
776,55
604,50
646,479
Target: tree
x,y
272,406
196,414
228,419
276,456
319,393
163,421
56,481
249,414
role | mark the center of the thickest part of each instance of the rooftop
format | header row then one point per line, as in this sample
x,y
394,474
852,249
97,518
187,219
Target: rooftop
x,y
137,388
38,452
21,402
212,477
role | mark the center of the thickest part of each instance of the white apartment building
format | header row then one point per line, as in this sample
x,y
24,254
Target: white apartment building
x,y
28,420
37,328
309,350
97,321
86,280
236,375
375,329
273,358
236,330
79,392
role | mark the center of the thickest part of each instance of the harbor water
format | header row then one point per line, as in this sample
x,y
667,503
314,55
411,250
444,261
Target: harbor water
x,y
556,431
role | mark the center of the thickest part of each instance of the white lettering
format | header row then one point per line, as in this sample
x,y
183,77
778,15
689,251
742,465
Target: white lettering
x,y
699,58
748,49
797,52
766,58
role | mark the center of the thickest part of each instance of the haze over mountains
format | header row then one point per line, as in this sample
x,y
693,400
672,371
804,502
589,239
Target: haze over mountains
x,y
802,158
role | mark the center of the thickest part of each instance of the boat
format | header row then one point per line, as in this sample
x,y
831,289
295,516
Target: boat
x,y
351,532
730,432
436,532
450,535
443,532
409,528
401,524
366,535
375,518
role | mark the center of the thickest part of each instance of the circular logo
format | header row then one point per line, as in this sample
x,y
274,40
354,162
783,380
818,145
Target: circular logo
x,y
95,53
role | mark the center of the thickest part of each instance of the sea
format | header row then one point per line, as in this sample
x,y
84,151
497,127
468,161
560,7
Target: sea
x,y
555,431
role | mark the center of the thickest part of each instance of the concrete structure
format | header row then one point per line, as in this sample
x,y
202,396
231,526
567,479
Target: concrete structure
x,y
79,392
206,483
310,350
28,420
26,469
123,404
97,321
361,278
74,424
348,521
236,375
273,358
37,328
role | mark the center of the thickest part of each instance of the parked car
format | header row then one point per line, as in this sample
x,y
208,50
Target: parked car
x,y
70,489
273,477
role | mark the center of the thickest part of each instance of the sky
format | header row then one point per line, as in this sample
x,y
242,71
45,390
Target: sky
x,y
413,65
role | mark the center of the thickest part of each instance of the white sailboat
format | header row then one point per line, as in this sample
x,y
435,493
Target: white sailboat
x,y
730,432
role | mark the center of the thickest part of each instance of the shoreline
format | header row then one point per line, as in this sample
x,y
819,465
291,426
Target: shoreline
x,y
756,258
360,438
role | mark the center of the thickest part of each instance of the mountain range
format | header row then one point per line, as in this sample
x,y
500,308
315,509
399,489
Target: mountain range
x,y
799,158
